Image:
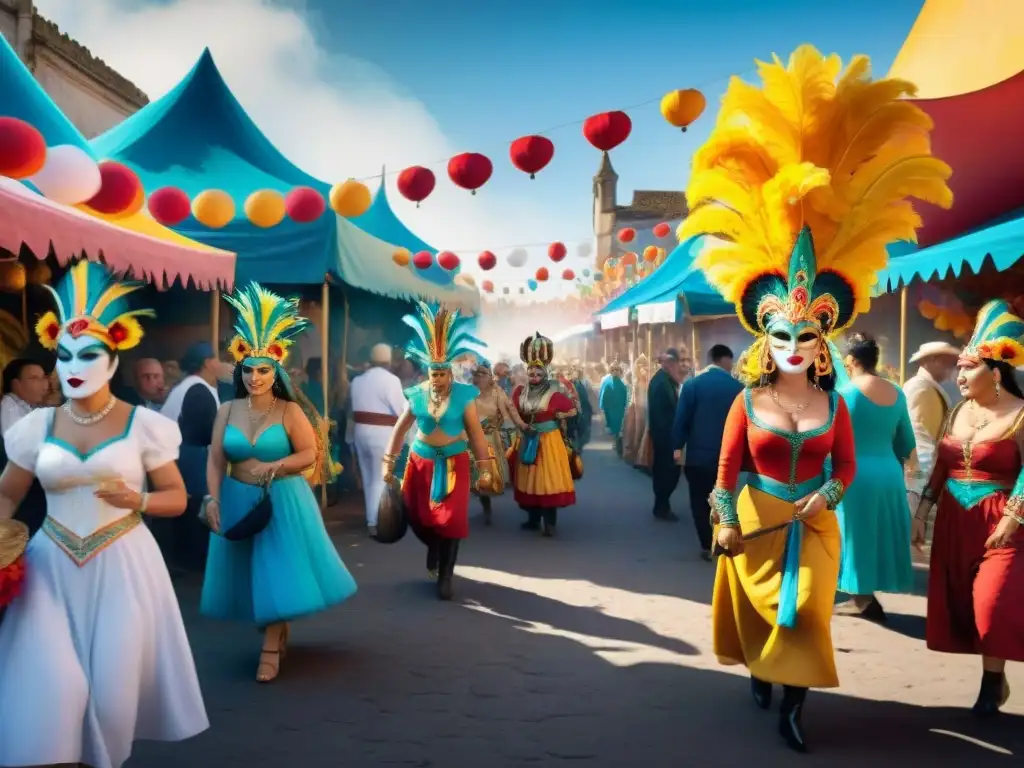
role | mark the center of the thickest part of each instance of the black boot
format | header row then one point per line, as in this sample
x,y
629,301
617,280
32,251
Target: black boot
x,y
550,522
994,693
762,692
485,502
433,560
449,553
533,521
790,713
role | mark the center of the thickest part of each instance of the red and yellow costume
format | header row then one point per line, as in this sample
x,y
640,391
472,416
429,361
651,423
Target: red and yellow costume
x,y
798,190
792,570
539,459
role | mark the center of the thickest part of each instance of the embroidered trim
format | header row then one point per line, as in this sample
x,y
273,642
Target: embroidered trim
x,y
1013,507
723,504
83,549
833,492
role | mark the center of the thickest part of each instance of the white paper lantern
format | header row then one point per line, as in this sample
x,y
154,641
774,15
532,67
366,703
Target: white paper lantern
x,y
69,176
583,250
518,258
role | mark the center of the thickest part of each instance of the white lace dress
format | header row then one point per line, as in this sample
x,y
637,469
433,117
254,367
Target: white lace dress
x,y
93,653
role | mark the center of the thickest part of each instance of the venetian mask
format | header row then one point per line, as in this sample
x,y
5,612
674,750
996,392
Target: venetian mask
x,y
84,365
793,346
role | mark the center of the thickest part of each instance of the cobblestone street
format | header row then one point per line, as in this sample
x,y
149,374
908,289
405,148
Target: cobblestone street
x,y
589,649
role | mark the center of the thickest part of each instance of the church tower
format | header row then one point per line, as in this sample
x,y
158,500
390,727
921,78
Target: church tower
x,y
604,191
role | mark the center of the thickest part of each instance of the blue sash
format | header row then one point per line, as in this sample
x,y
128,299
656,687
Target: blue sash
x,y
531,441
439,483
794,539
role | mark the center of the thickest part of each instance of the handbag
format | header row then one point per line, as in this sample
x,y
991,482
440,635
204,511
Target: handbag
x,y
392,518
255,520
575,461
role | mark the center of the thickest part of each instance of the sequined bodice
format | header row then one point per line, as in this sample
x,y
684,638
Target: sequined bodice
x,y
450,420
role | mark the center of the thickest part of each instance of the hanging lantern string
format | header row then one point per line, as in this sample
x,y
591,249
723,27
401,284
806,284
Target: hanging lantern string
x,y
562,126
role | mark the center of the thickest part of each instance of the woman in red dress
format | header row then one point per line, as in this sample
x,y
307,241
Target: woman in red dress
x,y
539,459
976,578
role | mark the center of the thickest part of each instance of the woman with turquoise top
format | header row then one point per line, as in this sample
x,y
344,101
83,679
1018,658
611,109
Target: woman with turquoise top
x,y
874,520
436,483
263,438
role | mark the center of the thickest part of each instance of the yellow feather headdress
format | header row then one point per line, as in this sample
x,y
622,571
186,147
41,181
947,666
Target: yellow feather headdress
x,y
91,301
266,324
803,184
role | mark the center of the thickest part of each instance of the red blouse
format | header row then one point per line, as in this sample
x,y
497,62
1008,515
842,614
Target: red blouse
x,y
749,445
557,402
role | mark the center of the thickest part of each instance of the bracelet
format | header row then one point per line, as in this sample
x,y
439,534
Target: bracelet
x,y
484,461
1014,516
832,492
724,506
144,503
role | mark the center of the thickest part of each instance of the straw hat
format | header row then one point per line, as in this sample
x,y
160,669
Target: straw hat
x,y
934,349
13,540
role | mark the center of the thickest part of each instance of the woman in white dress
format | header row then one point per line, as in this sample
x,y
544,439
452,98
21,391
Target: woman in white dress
x,y
93,653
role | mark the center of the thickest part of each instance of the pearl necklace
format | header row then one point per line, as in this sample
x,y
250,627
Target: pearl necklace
x,y
92,418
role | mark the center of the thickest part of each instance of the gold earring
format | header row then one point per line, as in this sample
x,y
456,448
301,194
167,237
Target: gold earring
x,y
822,363
999,388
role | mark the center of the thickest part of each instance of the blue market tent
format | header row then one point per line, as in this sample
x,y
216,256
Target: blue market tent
x,y
1001,241
198,136
381,222
675,279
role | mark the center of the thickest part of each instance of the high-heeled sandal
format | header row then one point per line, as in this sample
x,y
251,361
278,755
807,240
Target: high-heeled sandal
x,y
278,655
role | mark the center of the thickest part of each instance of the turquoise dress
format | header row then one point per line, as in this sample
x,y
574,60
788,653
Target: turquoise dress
x,y
289,570
874,519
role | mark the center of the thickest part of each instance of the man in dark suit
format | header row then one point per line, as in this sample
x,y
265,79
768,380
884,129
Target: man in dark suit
x,y
699,423
662,396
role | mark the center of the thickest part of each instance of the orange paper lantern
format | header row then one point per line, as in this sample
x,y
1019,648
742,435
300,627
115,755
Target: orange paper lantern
x,y
213,208
350,199
402,257
650,253
265,208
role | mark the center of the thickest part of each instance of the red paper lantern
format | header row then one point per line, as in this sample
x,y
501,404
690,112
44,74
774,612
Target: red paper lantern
x,y
627,235
488,286
119,189
448,261
662,230
607,130
304,205
470,170
629,259
169,206
556,252
542,275
423,260
487,261
416,183
22,149
568,274
530,154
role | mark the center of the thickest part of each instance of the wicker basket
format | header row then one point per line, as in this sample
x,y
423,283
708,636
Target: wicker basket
x,y
13,540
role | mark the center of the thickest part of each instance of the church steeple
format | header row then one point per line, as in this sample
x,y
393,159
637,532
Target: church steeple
x,y
605,183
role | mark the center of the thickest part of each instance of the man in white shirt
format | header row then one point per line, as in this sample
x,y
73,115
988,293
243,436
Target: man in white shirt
x,y
149,383
25,387
376,400
928,404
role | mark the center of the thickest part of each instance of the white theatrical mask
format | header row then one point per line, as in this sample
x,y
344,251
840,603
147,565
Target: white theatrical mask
x,y
84,366
794,348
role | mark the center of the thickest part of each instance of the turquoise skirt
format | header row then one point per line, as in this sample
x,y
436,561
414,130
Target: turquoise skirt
x,y
289,570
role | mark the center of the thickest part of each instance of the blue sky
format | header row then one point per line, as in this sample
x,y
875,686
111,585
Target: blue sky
x,y
491,72
343,87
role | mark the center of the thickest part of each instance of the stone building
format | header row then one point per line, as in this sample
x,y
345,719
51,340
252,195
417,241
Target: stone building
x,y
92,95
649,208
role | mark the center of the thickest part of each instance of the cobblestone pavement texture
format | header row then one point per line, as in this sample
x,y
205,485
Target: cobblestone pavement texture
x,y
590,649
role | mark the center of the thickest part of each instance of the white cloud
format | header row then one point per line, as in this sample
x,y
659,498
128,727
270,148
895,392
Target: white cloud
x,y
332,115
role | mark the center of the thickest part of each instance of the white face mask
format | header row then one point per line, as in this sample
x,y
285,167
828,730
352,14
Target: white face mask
x,y
794,348
83,366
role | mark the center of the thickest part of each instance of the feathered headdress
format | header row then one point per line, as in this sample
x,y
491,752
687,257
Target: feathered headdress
x,y
998,335
91,301
441,336
802,185
537,351
266,324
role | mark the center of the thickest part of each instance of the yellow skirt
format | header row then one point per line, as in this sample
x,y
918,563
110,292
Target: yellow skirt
x,y
548,481
745,603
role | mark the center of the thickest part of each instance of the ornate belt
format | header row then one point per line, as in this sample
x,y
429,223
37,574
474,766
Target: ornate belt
x,y
374,419
83,549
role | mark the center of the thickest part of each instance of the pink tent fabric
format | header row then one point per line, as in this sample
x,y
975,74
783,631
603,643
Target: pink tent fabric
x,y
41,224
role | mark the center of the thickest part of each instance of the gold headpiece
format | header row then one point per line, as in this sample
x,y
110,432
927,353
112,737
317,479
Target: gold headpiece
x,y
801,187
537,351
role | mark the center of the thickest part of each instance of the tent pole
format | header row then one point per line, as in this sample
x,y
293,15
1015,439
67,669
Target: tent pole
x,y
903,335
325,376
24,308
693,343
215,320
650,345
